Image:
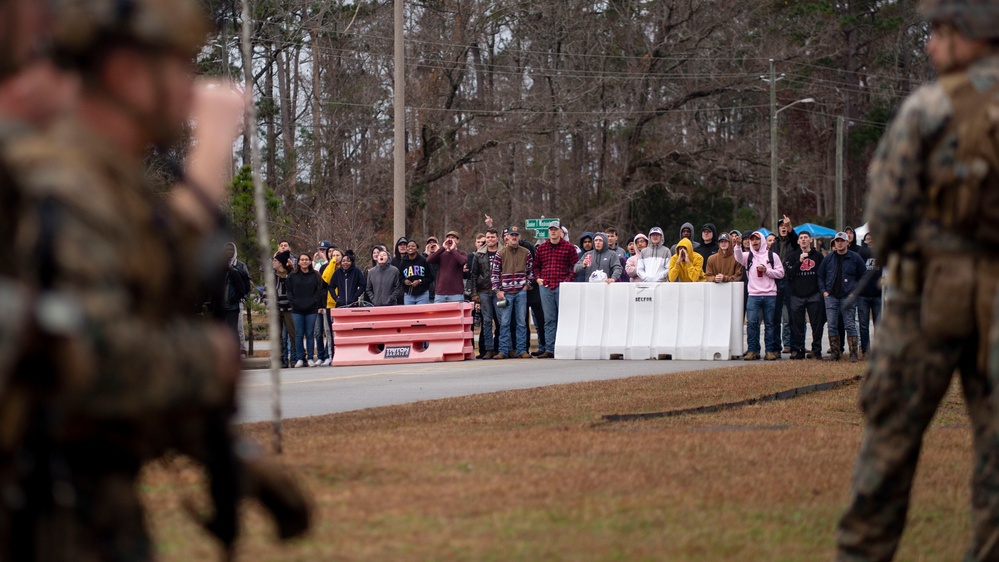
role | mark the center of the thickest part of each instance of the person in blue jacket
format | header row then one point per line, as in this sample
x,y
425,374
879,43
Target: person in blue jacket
x,y
839,274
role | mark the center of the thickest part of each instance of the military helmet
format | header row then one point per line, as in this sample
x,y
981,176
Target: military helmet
x,y
83,27
975,19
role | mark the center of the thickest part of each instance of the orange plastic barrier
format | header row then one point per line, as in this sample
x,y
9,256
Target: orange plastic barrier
x,y
421,333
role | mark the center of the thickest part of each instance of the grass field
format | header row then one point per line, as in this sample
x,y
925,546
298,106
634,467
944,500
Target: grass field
x,y
537,475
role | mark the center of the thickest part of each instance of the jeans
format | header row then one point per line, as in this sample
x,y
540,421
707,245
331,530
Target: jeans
x,y
835,310
761,308
287,337
538,310
418,299
868,310
549,300
815,308
487,305
516,308
319,328
438,298
782,315
304,327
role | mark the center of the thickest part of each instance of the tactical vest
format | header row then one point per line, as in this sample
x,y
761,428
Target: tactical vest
x,y
965,198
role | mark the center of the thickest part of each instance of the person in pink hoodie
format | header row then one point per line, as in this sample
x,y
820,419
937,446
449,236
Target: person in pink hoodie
x,y
763,269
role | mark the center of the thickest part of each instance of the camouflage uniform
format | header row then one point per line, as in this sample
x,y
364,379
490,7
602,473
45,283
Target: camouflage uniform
x,y
942,286
132,373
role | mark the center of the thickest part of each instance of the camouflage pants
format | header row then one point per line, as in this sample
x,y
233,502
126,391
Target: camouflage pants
x,y
910,372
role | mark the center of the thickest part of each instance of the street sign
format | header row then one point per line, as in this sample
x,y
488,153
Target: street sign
x,y
541,233
539,224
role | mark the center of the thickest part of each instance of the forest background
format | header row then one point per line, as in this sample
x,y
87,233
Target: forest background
x,y
625,113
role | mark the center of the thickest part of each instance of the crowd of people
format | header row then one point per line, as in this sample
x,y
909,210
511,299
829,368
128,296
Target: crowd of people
x,y
789,278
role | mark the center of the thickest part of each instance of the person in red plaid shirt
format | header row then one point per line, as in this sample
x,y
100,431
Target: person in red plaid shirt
x,y
553,265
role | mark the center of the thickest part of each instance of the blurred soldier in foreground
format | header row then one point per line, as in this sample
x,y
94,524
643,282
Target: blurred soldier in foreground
x,y
934,207
120,370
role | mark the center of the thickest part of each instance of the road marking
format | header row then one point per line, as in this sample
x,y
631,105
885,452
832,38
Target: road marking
x,y
347,377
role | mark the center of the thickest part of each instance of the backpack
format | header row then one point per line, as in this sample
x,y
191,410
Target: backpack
x,y
770,258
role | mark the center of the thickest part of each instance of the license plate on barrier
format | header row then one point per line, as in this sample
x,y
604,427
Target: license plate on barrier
x,y
397,352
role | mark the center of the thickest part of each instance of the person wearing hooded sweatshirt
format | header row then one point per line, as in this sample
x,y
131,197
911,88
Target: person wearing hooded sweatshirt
x,y
631,266
347,283
802,272
685,265
383,285
307,293
652,260
686,231
401,249
585,245
600,258
709,243
763,269
722,267
415,275
785,246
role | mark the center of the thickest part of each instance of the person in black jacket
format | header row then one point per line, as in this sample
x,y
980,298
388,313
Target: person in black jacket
x,y
869,301
347,284
307,293
839,273
235,287
801,269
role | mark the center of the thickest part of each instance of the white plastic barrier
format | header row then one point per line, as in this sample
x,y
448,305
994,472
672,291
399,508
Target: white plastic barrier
x,y
684,321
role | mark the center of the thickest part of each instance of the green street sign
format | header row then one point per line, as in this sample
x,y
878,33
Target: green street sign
x,y
541,233
539,224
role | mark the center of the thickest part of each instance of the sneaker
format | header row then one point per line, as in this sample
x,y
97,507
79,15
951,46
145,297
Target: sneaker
x,y
537,353
771,356
499,356
751,356
525,355
489,355
546,355
299,364
312,363
327,363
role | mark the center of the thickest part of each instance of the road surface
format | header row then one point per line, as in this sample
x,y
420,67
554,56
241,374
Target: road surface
x,y
325,390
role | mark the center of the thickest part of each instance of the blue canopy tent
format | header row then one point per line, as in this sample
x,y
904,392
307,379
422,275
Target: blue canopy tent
x,y
815,230
765,231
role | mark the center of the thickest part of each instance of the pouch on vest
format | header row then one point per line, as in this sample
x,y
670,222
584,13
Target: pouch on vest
x,y
948,304
966,197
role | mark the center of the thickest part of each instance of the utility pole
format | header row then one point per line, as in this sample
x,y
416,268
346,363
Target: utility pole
x,y
773,139
840,215
773,143
399,152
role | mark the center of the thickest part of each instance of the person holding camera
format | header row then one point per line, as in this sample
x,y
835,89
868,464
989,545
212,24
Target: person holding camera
x,y
451,263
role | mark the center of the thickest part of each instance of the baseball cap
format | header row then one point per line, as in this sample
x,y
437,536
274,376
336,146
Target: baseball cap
x,y
656,230
555,224
325,245
512,230
453,233
747,233
433,238
841,236
734,232
723,236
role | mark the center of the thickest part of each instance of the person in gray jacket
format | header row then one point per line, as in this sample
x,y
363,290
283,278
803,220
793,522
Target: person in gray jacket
x,y
383,286
600,258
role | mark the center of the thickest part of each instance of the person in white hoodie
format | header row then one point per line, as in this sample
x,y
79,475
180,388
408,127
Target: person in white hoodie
x,y
652,261
763,269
